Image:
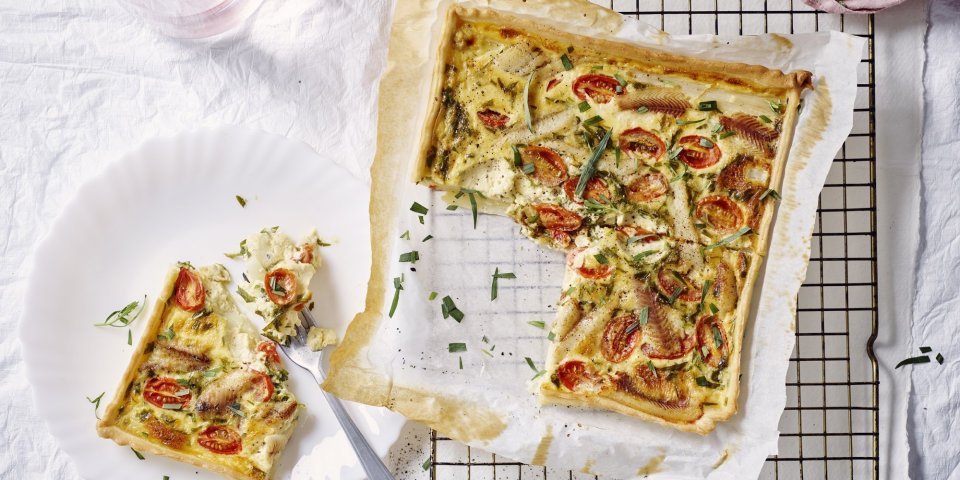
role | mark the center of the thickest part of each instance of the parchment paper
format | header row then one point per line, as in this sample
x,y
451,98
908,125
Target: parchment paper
x,y
403,362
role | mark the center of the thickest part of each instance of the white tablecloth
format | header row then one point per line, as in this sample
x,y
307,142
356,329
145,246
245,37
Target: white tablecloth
x,y
83,81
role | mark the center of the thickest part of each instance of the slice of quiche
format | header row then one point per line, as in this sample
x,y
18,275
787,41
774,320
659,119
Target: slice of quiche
x,y
277,281
203,387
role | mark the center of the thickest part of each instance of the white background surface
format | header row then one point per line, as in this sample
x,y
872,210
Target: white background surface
x,y
83,82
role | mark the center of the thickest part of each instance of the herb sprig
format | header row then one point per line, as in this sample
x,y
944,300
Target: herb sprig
x,y
124,316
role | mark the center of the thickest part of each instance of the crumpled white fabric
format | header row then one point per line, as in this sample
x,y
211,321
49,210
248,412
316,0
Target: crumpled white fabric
x,y
82,82
932,416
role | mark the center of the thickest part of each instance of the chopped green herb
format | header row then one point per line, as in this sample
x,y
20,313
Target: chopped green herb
x,y
714,309
487,353
419,209
427,238
590,167
168,334
96,404
397,286
450,309
405,235
939,359
212,372
244,295
172,406
743,231
427,463
242,253
644,316
583,106
765,119
913,360
452,207
235,408
129,337
420,218
496,276
703,293
537,323
473,207
705,142
652,368
673,154
592,121
538,375
643,109
925,349
565,60
124,316
166,477
717,336
517,158
242,201
725,134
616,154
703,382
775,106
601,259
680,174
433,296
526,101
457,347
681,121
707,106
411,257
676,293
622,81
770,193
528,168
716,128
532,365
138,454
642,255
551,336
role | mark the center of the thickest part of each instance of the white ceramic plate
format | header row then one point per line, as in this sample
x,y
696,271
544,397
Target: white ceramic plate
x,y
174,199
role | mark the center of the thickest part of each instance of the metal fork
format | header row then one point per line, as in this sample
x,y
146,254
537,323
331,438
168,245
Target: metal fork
x,y
299,353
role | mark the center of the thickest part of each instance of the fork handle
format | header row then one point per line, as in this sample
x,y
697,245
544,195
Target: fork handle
x,y
369,459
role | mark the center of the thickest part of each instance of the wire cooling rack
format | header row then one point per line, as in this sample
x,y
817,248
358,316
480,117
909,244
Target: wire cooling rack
x,y
829,428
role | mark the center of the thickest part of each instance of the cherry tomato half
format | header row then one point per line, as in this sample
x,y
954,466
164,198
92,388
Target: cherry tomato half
x,y
281,286
599,88
189,291
160,391
221,440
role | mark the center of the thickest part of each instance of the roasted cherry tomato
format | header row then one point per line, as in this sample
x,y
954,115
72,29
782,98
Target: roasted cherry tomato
x,y
641,144
556,218
281,286
617,343
669,281
595,190
601,270
548,167
270,350
713,340
492,119
220,439
721,213
695,154
600,88
647,187
572,373
264,386
189,291
160,391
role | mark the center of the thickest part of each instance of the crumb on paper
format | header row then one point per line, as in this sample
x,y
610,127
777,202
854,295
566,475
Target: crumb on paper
x,y
318,338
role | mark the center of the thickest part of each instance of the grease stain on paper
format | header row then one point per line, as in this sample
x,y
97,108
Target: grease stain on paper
x,y
652,466
543,449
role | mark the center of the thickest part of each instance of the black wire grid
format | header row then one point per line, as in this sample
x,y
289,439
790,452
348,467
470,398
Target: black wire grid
x,y
830,426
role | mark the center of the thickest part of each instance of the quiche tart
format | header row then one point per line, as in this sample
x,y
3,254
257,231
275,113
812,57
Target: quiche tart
x,y
656,174
203,387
